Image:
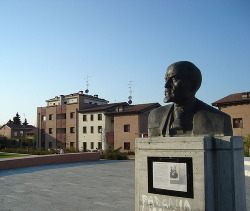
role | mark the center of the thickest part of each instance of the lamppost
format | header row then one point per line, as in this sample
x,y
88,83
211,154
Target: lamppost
x,y
21,133
100,131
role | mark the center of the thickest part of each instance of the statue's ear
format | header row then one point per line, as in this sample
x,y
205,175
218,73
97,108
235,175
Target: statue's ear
x,y
194,86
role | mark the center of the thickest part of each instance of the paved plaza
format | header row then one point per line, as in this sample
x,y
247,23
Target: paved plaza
x,y
99,185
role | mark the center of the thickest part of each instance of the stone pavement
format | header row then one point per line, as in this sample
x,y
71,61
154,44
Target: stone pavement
x,y
96,185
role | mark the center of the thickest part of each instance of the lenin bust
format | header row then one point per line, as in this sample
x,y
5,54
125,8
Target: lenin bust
x,y
187,116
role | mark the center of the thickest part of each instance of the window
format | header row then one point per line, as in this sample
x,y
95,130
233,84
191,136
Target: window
x,y
126,128
237,123
72,115
99,129
15,133
72,129
92,145
92,117
50,144
99,145
71,144
50,130
99,116
43,118
84,129
92,129
127,145
51,117
84,118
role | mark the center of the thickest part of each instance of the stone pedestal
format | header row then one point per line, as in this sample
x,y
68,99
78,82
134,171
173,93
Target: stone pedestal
x,y
217,169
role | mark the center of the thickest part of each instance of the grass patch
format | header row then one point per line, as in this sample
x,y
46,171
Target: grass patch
x,y
7,155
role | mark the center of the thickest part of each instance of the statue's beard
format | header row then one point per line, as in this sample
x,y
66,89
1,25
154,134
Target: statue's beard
x,y
167,99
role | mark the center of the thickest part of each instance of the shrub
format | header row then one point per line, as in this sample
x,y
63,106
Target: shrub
x,y
114,155
246,143
71,150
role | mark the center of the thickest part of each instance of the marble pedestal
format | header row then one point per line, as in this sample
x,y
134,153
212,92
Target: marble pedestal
x,y
217,169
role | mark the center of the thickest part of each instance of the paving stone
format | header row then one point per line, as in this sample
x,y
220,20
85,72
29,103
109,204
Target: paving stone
x,y
88,186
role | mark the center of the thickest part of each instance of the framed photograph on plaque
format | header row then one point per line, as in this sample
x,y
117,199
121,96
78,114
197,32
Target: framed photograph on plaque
x,y
171,176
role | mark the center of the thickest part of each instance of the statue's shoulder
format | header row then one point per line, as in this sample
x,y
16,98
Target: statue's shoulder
x,y
157,115
159,112
211,121
203,108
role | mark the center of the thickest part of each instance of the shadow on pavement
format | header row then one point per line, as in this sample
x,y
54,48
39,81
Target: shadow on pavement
x,y
56,166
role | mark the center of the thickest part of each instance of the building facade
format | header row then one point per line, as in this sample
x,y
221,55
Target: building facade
x,y
113,126
131,122
238,107
57,123
96,128
17,132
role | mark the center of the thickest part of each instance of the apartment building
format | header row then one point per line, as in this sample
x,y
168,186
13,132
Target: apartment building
x,y
96,129
238,107
131,122
57,123
113,126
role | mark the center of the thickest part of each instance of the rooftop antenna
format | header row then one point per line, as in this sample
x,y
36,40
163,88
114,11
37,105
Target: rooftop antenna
x,y
87,84
130,92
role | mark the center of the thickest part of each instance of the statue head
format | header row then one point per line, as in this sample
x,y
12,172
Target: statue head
x,y
183,79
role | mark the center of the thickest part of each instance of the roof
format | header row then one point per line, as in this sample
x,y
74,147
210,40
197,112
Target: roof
x,y
105,107
31,131
237,98
76,94
139,108
20,127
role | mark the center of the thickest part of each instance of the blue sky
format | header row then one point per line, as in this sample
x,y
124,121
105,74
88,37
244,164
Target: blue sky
x,y
49,47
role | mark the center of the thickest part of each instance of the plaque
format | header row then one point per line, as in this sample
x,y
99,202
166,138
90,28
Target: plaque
x,y
171,176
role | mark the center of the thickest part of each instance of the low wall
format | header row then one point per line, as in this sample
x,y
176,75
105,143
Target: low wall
x,y
40,160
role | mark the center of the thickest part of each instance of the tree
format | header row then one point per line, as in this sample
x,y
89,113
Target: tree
x,y
25,122
10,122
16,119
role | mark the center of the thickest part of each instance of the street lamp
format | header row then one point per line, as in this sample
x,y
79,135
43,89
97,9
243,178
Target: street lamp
x,y
21,133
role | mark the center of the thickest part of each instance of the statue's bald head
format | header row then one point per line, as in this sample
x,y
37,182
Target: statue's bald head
x,y
189,71
183,79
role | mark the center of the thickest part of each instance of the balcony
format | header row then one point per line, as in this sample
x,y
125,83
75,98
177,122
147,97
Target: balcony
x,y
110,137
61,109
61,123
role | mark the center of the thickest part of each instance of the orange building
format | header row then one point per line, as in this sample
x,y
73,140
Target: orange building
x,y
238,107
130,122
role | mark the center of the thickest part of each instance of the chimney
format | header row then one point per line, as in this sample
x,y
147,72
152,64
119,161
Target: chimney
x,y
245,95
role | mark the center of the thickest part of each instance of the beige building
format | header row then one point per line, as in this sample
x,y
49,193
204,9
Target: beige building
x,y
17,132
238,107
57,123
96,129
113,126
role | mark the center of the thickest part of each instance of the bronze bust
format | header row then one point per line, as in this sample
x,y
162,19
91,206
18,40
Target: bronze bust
x,y
187,116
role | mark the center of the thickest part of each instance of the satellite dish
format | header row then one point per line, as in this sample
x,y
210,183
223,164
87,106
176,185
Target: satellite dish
x,y
130,102
130,97
86,91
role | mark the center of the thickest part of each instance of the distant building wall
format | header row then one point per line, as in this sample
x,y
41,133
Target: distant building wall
x,y
239,112
92,132
5,131
122,137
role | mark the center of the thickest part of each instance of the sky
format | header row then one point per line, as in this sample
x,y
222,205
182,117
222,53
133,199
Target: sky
x,y
49,47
